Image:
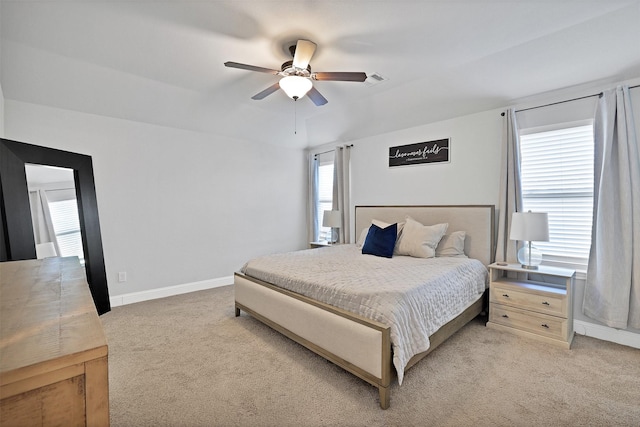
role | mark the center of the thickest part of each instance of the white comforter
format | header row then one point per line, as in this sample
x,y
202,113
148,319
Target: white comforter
x,y
414,296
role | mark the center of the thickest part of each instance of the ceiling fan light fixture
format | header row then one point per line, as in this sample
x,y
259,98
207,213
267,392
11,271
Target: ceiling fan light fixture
x,y
297,78
295,86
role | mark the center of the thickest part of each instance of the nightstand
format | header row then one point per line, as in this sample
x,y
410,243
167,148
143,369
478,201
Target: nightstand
x,y
322,244
319,244
533,303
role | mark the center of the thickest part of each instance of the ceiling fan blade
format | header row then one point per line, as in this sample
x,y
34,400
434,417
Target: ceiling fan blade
x,y
250,67
340,77
268,91
316,97
304,51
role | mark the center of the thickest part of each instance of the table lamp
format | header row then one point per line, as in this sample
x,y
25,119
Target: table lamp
x,y
529,226
332,219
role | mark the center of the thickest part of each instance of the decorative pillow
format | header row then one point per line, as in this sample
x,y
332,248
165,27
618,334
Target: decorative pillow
x,y
381,241
419,240
381,224
452,245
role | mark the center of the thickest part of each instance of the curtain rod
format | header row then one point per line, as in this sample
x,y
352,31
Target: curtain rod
x,y
567,100
329,151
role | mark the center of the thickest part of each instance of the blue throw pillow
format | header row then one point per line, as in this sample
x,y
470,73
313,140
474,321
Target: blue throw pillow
x,y
381,241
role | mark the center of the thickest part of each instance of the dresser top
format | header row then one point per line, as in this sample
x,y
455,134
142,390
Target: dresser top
x,y
47,317
542,269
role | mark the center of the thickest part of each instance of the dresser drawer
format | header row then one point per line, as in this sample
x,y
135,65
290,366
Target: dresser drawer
x,y
541,324
548,303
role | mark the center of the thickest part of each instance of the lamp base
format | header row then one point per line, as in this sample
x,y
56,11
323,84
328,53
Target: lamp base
x,y
529,257
333,240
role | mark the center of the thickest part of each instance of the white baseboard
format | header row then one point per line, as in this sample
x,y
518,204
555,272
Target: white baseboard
x,y
168,291
606,333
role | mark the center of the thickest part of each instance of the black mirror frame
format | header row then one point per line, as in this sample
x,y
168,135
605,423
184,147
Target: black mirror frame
x,y
16,233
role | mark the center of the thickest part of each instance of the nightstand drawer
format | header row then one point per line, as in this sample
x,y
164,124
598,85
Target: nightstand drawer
x,y
541,324
541,302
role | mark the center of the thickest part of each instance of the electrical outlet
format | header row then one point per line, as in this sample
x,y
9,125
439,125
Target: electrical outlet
x,y
122,276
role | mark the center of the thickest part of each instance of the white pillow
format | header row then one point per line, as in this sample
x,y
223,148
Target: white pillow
x,y
383,224
452,245
419,240
362,238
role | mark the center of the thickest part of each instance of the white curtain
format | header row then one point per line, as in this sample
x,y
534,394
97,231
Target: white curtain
x,y
612,289
41,218
342,190
314,226
510,188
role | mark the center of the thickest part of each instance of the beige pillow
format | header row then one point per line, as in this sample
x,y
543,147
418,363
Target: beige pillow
x,y
452,245
383,224
419,240
363,236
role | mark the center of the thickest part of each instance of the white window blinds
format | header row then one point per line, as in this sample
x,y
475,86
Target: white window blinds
x,y
66,224
557,178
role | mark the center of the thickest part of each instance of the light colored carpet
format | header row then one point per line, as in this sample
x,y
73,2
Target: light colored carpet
x,y
187,361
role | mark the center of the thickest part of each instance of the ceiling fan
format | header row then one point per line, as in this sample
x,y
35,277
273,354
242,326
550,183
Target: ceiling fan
x,y
297,78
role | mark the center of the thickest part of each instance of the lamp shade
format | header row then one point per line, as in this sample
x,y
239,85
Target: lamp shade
x,y
295,86
530,226
331,219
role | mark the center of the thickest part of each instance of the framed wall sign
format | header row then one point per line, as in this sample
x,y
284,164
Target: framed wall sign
x,y
436,151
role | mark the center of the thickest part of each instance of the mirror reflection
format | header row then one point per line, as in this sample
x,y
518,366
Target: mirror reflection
x,y
54,211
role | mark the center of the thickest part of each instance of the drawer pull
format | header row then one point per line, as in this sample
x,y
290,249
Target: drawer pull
x,y
544,325
505,295
545,303
505,316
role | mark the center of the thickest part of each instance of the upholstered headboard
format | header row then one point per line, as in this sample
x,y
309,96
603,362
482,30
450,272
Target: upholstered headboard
x,y
476,220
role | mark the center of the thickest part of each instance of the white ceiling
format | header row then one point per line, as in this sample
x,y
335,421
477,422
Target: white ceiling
x,y
39,175
161,62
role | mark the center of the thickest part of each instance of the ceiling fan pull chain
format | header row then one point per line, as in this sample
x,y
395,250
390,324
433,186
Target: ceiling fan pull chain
x,y
295,116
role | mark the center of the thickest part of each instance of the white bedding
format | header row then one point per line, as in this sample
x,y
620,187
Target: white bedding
x,y
414,296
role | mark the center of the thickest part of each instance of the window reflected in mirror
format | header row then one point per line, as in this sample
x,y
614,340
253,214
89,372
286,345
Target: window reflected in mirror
x,y
54,211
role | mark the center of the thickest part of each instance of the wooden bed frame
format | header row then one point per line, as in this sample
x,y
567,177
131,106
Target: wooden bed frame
x,y
353,342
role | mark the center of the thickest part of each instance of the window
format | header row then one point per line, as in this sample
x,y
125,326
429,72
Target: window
x,y
66,225
557,178
325,192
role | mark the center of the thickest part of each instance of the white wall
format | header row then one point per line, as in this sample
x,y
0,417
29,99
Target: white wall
x,y
176,207
471,177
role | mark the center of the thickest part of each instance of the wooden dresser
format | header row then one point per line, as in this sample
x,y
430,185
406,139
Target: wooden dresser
x,y
53,350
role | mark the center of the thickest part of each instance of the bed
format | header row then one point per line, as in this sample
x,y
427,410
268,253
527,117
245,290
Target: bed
x,y
359,333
